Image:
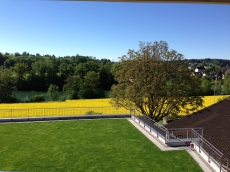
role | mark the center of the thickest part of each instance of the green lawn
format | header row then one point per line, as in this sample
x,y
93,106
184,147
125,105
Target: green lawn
x,y
86,145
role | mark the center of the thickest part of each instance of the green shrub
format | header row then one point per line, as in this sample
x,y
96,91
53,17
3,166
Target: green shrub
x,y
87,93
93,113
38,98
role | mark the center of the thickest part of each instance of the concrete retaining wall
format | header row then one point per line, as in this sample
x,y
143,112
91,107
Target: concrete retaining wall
x,y
54,118
151,130
209,160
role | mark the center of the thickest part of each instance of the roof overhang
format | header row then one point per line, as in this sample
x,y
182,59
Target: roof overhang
x,y
166,1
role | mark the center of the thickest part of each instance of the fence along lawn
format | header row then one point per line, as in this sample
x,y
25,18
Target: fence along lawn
x,y
89,145
71,107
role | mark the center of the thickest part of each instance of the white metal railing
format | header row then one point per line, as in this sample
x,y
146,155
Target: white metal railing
x,y
195,135
212,153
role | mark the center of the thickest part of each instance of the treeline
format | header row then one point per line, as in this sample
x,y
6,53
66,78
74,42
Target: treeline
x,y
83,77
208,61
77,76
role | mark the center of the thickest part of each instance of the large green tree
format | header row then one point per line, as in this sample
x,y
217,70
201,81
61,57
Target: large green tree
x,y
7,85
20,69
156,81
53,92
89,88
206,85
2,59
72,87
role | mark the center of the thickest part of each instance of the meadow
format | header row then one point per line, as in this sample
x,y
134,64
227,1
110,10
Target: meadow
x,y
89,145
72,107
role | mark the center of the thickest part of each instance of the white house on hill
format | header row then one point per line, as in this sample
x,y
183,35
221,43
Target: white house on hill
x,y
200,70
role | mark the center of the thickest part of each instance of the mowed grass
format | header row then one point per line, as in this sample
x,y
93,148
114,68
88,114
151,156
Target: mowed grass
x,y
88,145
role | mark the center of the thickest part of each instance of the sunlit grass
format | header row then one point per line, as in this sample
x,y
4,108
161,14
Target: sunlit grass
x,y
98,145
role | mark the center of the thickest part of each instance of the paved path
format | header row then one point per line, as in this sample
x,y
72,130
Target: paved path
x,y
205,167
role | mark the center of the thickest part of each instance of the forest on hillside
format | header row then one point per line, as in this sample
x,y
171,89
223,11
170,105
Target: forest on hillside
x,y
77,76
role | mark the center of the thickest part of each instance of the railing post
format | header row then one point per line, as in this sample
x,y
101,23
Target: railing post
x,y
166,135
139,117
157,131
187,133
193,136
227,164
209,155
134,114
144,123
221,162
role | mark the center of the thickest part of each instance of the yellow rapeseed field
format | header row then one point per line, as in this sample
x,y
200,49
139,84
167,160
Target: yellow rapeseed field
x,y
208,101
71,107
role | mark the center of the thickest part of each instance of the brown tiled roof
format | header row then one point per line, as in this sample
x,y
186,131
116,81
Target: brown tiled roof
x,y
215,121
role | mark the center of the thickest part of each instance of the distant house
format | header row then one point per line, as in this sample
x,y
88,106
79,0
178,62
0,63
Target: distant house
x,y
227,72
200,70
207,67
207,73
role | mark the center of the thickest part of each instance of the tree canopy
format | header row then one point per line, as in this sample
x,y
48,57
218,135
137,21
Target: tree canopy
x,y
156,81
53,92
7,85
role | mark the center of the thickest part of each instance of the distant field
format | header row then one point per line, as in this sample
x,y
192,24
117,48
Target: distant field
x,y
68,107
71,107
92,145
208,101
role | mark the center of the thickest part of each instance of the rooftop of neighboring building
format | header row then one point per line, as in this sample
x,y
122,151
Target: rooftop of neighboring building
x,y
215,121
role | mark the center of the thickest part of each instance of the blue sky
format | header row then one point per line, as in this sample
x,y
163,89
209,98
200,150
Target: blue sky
x,y
109,29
